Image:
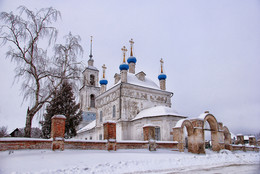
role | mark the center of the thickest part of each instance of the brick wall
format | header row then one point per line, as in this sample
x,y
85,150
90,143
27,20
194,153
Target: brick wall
x,y
132,145
166,145
25,143
84,145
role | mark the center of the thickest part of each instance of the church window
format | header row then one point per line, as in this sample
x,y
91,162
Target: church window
x,y
100,136
114,111
92,101
101,116
157,134
90,138
92,80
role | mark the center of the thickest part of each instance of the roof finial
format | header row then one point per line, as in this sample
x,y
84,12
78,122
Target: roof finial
x,y
124,52
90,55
161,65
104,69
131,45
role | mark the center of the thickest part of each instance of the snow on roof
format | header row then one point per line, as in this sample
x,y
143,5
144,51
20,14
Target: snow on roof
x,y
109,121
132,79
89,126
149,125
92,67
59,116
156,111
179,123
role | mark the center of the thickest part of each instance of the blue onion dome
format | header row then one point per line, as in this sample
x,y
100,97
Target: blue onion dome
x,y
131,59
124,66
103,82
162,76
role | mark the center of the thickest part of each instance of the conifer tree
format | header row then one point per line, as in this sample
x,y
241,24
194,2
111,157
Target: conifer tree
x,y
63,103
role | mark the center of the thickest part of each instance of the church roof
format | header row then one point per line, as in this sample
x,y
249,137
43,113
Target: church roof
x,y
157,111
92,67
132,79
89,126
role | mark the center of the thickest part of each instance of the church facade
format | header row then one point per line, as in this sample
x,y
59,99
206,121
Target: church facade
x,y
134,101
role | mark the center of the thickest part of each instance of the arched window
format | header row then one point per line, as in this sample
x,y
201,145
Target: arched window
x,y
92,100
92,80
114,111
101,116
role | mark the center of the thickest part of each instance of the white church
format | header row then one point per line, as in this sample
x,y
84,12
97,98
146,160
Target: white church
x,y
132,102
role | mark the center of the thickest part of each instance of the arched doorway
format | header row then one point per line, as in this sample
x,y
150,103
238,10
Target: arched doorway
x,y
187,135
213,128
207,135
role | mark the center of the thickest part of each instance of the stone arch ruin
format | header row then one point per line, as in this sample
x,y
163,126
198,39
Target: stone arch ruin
x,y
220,136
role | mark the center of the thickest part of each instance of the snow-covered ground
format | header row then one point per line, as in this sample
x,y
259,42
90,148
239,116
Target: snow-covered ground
x,y
126,161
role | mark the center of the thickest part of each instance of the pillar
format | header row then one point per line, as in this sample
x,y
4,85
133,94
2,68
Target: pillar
x,y
252,141
58,131
198,143
178,136
109,128
149,132
240,139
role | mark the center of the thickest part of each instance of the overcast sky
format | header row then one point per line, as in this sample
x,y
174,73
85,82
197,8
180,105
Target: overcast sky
x,y
211,52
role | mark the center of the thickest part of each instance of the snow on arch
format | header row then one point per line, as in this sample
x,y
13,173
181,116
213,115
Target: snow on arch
x,y
179,123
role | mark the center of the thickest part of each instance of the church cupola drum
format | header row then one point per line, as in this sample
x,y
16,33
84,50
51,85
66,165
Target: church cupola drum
x,y
124,67
131,60
103,82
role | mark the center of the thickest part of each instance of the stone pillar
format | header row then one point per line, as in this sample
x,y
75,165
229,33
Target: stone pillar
x,y
252,141
149,132
149,135
227,141
57,132
178,136
198,144
215,141
110,134
163,84
221,140
123,76
240,139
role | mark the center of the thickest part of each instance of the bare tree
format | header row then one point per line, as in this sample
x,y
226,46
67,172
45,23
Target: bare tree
x,y
41,75
3,131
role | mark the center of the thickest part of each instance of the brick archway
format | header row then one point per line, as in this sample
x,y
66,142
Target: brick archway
x,y
220,136
178,134
214,131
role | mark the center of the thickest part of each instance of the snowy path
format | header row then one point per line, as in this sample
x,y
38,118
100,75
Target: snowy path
x,y
125,161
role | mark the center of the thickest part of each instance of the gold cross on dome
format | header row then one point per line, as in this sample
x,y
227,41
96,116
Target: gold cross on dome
x,y
124,51
161,65
131,45
104,69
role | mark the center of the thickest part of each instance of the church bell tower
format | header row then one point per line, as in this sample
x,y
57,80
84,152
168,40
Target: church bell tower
x,y
89,91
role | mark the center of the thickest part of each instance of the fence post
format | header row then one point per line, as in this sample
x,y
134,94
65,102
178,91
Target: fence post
x,y
57,132
110,134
